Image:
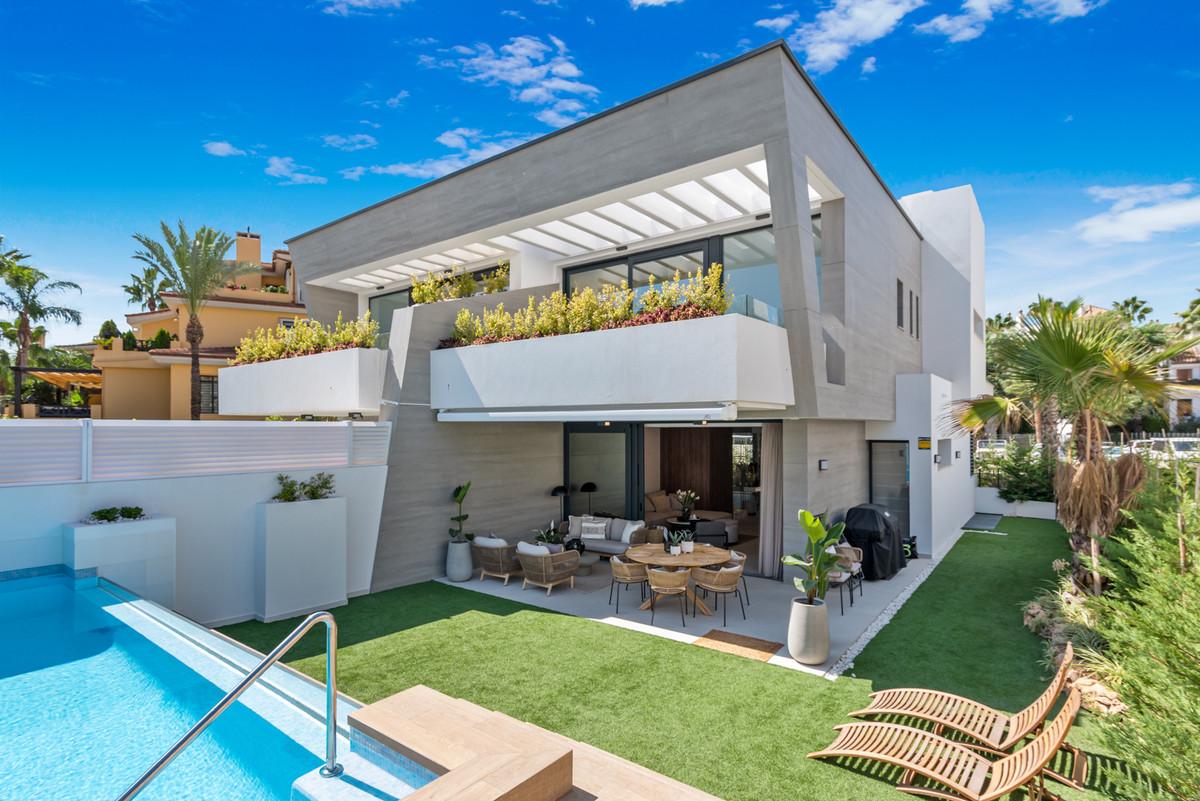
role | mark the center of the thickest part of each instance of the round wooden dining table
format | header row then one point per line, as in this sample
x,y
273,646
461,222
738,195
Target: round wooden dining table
x,y
702,555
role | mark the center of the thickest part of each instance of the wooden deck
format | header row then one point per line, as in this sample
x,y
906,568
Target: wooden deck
x,y
487,756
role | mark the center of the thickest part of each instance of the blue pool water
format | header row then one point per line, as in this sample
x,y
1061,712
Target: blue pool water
x,y
87,703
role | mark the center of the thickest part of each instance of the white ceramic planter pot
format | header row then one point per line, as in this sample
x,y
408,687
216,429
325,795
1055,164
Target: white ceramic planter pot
x,y
300,557
676,550
137,554
808,632
458,561
688,546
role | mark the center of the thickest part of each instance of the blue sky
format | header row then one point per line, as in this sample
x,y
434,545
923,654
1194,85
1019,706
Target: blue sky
x,y
1075,120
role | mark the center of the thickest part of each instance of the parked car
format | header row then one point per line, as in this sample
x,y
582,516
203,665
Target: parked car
x,y
1167,449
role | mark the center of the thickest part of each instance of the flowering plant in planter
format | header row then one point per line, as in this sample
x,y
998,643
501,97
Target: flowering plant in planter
x,y
687,502
700,294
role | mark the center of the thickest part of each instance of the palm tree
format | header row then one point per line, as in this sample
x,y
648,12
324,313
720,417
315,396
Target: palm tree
x,y
1133,309
24,294
1091,371
1189,319
143,290
195,266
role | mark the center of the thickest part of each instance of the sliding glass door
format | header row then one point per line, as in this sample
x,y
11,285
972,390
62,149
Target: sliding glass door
x,y
603,469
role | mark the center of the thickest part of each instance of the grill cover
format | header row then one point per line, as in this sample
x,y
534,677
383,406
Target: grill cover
x,y
872,528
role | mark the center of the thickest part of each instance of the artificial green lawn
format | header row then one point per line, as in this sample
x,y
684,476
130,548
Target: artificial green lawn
x,y
734,727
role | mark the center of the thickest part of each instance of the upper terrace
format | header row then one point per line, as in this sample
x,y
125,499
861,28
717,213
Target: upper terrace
x,y
676,179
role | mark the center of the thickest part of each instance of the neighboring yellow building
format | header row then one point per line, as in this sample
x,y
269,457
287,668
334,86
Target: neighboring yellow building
x,y
155,383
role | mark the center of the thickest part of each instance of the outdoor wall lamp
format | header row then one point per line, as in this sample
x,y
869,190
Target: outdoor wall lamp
x,y
822,464
958,454
589,487
937,458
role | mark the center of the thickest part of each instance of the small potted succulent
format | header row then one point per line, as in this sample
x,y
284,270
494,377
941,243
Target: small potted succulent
x,y
808,625
458,551
687,503
673,542
688,543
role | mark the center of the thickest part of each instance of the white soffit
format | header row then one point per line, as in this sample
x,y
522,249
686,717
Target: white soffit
x,y
726,189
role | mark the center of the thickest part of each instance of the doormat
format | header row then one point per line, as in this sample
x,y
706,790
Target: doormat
x,y
739,645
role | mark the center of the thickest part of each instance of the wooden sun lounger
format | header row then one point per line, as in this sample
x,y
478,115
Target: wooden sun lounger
x,y
996,732
953,771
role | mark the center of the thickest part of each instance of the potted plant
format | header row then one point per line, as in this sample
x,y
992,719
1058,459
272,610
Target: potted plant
x,y
687,502
808,625
673,542
688,543
550,535
458,552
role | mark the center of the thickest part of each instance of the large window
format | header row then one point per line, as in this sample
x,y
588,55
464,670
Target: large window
x,y
636,269
209,402
752,274
382,306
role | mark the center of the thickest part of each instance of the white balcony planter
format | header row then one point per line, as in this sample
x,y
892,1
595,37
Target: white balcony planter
x,y
137,554
300,557
688,367
334,383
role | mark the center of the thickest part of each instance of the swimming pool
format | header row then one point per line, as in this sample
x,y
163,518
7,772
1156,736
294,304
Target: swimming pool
x,y
95,685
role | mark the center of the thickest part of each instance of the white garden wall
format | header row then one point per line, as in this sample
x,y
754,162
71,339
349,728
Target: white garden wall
x,y
988,501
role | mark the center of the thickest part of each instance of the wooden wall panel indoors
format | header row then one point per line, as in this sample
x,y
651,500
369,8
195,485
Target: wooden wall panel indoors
x,y
700,459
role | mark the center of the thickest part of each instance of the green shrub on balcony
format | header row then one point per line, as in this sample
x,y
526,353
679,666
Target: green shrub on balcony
x,y
305,338
697,295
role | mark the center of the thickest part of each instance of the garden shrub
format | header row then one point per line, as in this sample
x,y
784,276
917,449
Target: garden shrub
x,y
109,514
319,487
1149,619
699,295
161,340
306,337
1020,472
132,513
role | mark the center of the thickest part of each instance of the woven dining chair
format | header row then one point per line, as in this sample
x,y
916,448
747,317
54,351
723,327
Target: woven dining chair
x,y
722,583
737,557
665,583
625,574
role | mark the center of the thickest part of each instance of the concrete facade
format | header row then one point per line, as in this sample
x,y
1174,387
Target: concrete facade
x,y
879,328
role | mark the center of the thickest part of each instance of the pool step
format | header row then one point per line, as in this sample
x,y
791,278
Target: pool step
x,y
361,781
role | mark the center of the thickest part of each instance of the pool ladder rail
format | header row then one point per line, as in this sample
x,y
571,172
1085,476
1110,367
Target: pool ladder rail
x,y
331,768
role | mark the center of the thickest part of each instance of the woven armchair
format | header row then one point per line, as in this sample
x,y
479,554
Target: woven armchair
x,y
549,571
650,534
499,562
849,573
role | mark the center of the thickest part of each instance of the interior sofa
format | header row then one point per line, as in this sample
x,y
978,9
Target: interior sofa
x,y
614,540
660,507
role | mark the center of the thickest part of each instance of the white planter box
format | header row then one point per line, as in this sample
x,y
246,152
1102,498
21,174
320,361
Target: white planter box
x,y
988,501
711,361
334,383
137,554
300,557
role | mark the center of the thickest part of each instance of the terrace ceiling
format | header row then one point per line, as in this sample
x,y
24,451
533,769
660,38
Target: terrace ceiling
x,y
666,208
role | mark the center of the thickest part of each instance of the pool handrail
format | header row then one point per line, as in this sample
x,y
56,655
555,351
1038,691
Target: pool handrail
x,y
331,768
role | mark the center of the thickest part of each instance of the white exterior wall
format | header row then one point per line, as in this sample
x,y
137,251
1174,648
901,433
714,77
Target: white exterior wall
x,y
216,523
940,496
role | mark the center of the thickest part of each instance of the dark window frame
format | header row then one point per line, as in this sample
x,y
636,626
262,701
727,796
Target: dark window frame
x,y
213,405
711,246
900,304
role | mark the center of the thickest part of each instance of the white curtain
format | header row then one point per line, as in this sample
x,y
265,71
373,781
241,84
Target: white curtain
x,y
770,509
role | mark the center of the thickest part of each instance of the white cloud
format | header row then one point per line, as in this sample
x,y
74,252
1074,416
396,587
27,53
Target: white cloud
x,y
285,167
349,143
368,123
512,12
837,30
222,149
395,100
778,24
469,145
635,4
536,72
1138,212
868,65
344,8
1059,10
708,55
969,23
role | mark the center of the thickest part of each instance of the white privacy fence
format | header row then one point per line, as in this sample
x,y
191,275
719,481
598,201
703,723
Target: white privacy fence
x,y
58,451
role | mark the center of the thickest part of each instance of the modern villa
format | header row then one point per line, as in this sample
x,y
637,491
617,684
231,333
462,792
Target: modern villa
x,y
856,318
668,332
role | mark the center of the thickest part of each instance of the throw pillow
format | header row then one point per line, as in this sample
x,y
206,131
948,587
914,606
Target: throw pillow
x,y
530,549
574,526
593,528
491,542
630,527
554,547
